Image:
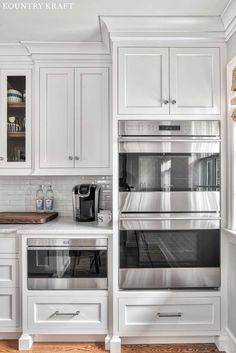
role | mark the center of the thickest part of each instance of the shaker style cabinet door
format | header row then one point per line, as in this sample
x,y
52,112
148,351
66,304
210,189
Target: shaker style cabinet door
x,y
92,126
56,118
194,81
143,81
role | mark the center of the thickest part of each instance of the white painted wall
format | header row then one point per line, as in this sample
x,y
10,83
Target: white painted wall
x,y
231,47
18,194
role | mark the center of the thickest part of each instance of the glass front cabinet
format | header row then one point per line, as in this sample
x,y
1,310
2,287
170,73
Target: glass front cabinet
x,y
15,121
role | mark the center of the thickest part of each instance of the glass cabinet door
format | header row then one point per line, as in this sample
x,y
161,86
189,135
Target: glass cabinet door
x,y
15,119
16,115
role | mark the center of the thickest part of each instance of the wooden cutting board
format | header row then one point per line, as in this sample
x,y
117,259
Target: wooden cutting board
x,y
26,217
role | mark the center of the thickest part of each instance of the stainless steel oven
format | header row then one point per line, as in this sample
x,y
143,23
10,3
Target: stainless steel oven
x,y
61,264
169,203
169,166
165,251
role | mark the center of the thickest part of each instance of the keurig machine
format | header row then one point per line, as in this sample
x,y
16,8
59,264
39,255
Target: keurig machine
x,y
85,202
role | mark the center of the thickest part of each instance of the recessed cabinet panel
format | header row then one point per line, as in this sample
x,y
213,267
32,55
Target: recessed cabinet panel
x,y
8,273
194,81
8,312
56,117
92,128
143,81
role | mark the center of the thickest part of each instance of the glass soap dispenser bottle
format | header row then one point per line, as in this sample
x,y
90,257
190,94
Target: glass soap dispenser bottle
x,y
49,200
40,199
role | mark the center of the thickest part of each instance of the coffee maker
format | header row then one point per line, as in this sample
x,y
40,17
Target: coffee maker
x,y
85,199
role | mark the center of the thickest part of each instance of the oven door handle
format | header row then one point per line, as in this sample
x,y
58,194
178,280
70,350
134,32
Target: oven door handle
x,y
92,248
171,139
168,218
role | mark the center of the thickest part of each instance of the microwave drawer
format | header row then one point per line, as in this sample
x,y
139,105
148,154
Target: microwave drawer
x,y
67,314
147,316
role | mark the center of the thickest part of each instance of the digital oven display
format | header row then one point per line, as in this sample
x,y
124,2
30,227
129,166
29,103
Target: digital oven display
x,y
169,127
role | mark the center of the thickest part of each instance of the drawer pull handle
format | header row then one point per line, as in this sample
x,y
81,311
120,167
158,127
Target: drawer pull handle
x,y
169,314
57,313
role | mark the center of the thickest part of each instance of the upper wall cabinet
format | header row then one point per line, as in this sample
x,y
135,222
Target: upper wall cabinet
x,y
15,121
194,81
168,81
143,81
74,125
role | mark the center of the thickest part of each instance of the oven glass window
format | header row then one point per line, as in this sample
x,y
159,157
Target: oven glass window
x,y
169,172
163,249
67,263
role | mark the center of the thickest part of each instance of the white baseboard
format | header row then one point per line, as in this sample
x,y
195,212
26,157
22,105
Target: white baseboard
x,y
168,340
231,342
69,338
9,335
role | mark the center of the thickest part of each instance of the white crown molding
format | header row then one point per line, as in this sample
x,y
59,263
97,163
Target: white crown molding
x,y
210,26
70,48
229,19
14,49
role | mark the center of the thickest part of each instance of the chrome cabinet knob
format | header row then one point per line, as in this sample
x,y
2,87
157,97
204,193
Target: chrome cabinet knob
x,y
173,101
1,158
165,101
76,158
70,158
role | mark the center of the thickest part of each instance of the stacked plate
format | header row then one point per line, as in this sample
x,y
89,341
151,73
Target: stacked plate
x,y
14,96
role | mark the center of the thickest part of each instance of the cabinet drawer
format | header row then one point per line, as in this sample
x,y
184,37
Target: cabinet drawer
x,y
163,314
8,273
67,313
9,245
9,307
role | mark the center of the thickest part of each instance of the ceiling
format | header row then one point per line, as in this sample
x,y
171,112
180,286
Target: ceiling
x,y
82,24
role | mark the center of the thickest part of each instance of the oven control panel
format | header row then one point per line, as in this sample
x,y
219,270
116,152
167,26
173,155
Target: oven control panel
x,y
169,128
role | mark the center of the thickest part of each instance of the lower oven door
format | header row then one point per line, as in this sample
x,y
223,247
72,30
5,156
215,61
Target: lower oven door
x,y
60,268
169,253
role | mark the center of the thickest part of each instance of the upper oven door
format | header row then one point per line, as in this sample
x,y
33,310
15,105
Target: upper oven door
x,y
189,168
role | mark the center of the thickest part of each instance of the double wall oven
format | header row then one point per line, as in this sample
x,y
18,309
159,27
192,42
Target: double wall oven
x,y
169,201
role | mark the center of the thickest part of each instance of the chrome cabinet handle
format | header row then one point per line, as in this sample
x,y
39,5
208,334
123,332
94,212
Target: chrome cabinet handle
x,y
76,158
173,101
165,101
57,313
1,159
169,314
70,158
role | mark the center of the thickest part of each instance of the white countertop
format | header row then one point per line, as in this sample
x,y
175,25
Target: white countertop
x,y
60,225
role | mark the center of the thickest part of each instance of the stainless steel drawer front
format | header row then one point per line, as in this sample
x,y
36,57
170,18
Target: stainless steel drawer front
x,y
165,278
66,283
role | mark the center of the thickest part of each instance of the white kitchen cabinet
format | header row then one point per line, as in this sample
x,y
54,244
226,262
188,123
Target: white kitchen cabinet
x,y
67,314
15,121
174,81
148,316
9,304
143,81
194,81
9,283
56,117
92,128
74,123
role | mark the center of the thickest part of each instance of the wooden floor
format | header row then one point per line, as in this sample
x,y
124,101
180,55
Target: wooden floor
x,y
11,347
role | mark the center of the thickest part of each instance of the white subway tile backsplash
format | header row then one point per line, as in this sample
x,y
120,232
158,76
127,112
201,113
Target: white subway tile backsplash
x,y
18,193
